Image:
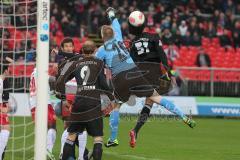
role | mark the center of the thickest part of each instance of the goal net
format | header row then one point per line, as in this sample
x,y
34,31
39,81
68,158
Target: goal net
x,y
18,40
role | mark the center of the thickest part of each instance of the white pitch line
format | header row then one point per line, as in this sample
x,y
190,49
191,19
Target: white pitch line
x,y
132,157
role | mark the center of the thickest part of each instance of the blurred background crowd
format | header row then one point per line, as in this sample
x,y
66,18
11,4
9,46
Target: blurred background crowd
x,y
178,22
194,33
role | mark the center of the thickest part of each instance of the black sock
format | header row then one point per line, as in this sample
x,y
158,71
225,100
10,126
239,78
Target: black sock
x,y
142,118
3,154
97,151
69,150
76,142
85,155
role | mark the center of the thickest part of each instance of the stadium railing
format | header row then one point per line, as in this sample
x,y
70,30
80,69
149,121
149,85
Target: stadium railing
x,y
204,81
20,73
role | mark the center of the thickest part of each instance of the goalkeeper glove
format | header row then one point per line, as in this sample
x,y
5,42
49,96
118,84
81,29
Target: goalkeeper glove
x,y
111,12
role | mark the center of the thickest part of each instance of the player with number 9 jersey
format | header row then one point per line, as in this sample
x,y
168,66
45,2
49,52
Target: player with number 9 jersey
x,y
91,82
86,111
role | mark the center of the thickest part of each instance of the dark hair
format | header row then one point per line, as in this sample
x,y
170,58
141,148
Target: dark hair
x,y
136,30
67,40
4,66
88,47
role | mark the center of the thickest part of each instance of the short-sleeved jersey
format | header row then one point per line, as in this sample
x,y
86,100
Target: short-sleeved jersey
x,y
148,48
33,90
90,78
114,53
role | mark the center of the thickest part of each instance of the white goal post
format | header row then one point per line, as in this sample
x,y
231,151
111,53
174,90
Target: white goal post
x,y
43,10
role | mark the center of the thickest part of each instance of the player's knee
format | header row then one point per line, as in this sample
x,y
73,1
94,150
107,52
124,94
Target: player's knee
x,y
98,139
72,136
5,127
52,125
156,98
116,106
149,102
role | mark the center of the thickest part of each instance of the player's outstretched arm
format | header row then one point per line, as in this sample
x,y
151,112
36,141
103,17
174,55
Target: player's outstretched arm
x,y
111,12
162,55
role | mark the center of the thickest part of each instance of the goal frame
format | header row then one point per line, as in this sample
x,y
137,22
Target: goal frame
x,y
42,62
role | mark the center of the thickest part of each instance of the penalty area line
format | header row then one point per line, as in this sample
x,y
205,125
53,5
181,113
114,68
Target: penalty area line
x,y
126,156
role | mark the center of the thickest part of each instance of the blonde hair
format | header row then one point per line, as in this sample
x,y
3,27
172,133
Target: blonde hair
x,y
107,32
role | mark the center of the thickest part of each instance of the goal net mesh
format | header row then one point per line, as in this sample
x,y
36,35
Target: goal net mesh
x,y
18,27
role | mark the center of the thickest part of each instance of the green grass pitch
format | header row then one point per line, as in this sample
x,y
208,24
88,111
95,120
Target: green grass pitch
x,y
160,139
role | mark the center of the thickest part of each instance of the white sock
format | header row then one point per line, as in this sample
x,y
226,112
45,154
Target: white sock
x,y
82,140
63,139
51,137
4,135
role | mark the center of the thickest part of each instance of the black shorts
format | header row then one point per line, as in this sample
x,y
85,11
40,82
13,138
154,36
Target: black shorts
x,y
85,109
94,128
131,82
153,74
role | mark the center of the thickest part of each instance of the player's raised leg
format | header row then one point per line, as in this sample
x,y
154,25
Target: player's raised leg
x,y
151,52
172,108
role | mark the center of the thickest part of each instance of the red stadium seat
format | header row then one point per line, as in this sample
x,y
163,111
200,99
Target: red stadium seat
x,y
215,41
205,41
77,44
183,49
221,50
29,69
16,70
238,50
231,50
58,40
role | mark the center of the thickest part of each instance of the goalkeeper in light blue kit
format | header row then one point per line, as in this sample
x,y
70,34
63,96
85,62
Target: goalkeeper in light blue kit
x,y
127,78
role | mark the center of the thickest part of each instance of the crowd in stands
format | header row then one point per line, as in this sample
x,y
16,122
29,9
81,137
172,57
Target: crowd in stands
x,y
178,22
182,22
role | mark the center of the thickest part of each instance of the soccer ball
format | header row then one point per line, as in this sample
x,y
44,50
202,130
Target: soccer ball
x,y
136,18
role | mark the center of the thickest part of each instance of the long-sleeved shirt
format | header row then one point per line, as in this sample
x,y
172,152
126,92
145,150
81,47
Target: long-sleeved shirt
x,y
114,53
